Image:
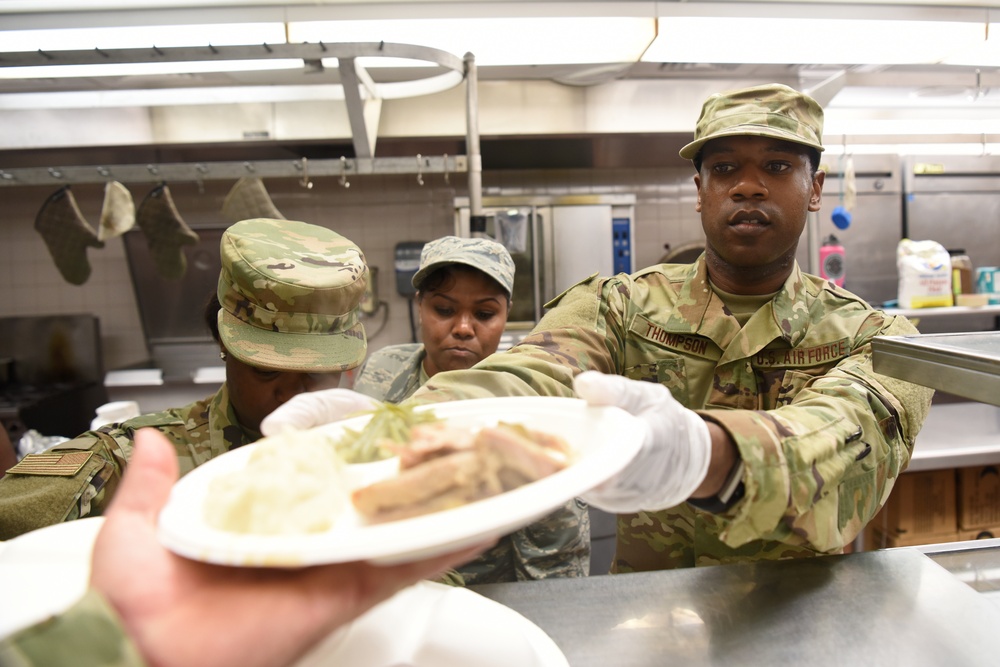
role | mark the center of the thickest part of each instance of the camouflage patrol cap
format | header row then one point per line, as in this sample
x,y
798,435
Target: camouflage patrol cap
x,y
488,256
771,110
290,293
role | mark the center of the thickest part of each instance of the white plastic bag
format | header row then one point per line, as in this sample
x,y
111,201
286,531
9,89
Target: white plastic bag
x,y
924,274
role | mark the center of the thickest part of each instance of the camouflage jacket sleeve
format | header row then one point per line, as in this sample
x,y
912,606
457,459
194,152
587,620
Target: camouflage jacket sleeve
x,y
822,435
557,545
819,467
88,633
72,480
78,478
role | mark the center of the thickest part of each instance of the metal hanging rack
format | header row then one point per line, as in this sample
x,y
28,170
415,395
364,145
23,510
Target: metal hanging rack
x,y
362,97
343,168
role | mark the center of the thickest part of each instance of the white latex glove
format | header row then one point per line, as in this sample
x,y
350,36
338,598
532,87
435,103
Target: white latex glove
x,y
673,460
315,408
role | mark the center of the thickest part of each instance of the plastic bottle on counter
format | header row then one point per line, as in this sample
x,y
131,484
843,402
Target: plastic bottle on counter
x,y
961,272
832,265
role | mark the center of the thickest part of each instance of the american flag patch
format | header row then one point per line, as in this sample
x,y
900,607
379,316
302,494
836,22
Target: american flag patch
x,y
49,463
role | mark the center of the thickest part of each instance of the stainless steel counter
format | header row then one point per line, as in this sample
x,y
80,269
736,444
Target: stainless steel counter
x,y
892,607
963,364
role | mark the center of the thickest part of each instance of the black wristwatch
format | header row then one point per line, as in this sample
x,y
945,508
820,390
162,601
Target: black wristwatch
x,y
731,492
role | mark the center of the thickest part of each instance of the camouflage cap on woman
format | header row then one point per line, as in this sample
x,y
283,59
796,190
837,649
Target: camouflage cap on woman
x,y
488,256
771,110
290,293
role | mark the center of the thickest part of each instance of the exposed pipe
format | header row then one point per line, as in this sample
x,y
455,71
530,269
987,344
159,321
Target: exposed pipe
x,y
475,160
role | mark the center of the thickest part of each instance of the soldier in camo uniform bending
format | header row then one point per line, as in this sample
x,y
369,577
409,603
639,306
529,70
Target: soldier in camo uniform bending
x,y
464,289
770,436
287,324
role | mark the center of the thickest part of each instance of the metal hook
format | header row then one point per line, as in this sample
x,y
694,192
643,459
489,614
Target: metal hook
x,y
420,175
202,169
448,182
7,177
304,167
55,173
104,171
152,169
249,167
343,172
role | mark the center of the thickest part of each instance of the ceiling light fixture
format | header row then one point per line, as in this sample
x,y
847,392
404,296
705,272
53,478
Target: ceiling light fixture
x,y
497,41
777,40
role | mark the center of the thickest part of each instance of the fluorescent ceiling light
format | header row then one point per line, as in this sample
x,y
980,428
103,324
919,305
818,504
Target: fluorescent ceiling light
x,y
773,40
141,37
498,41
147,69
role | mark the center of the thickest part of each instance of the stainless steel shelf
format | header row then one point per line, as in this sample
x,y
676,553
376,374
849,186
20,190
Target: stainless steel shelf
x,y
963,364
946,311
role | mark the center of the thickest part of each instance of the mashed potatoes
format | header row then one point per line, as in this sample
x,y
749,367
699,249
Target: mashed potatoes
x,y
292,484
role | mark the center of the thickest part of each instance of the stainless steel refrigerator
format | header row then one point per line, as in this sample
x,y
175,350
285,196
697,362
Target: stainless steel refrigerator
x,y
555,242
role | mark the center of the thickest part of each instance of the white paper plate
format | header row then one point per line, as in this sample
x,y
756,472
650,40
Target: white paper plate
x,y
44,572
433,625
603,439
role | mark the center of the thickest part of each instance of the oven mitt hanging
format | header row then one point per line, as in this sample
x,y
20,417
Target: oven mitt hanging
x,y
249,199
117,213
166,233
67,235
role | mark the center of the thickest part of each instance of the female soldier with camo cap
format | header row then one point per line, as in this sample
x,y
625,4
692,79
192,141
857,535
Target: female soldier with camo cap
x,y
464,289
288,323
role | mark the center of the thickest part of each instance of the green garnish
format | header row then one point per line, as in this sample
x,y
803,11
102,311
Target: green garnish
x,y
390,423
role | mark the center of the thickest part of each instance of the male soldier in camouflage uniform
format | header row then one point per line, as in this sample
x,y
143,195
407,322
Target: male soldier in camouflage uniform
x,y
464,288
288,323
770,436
